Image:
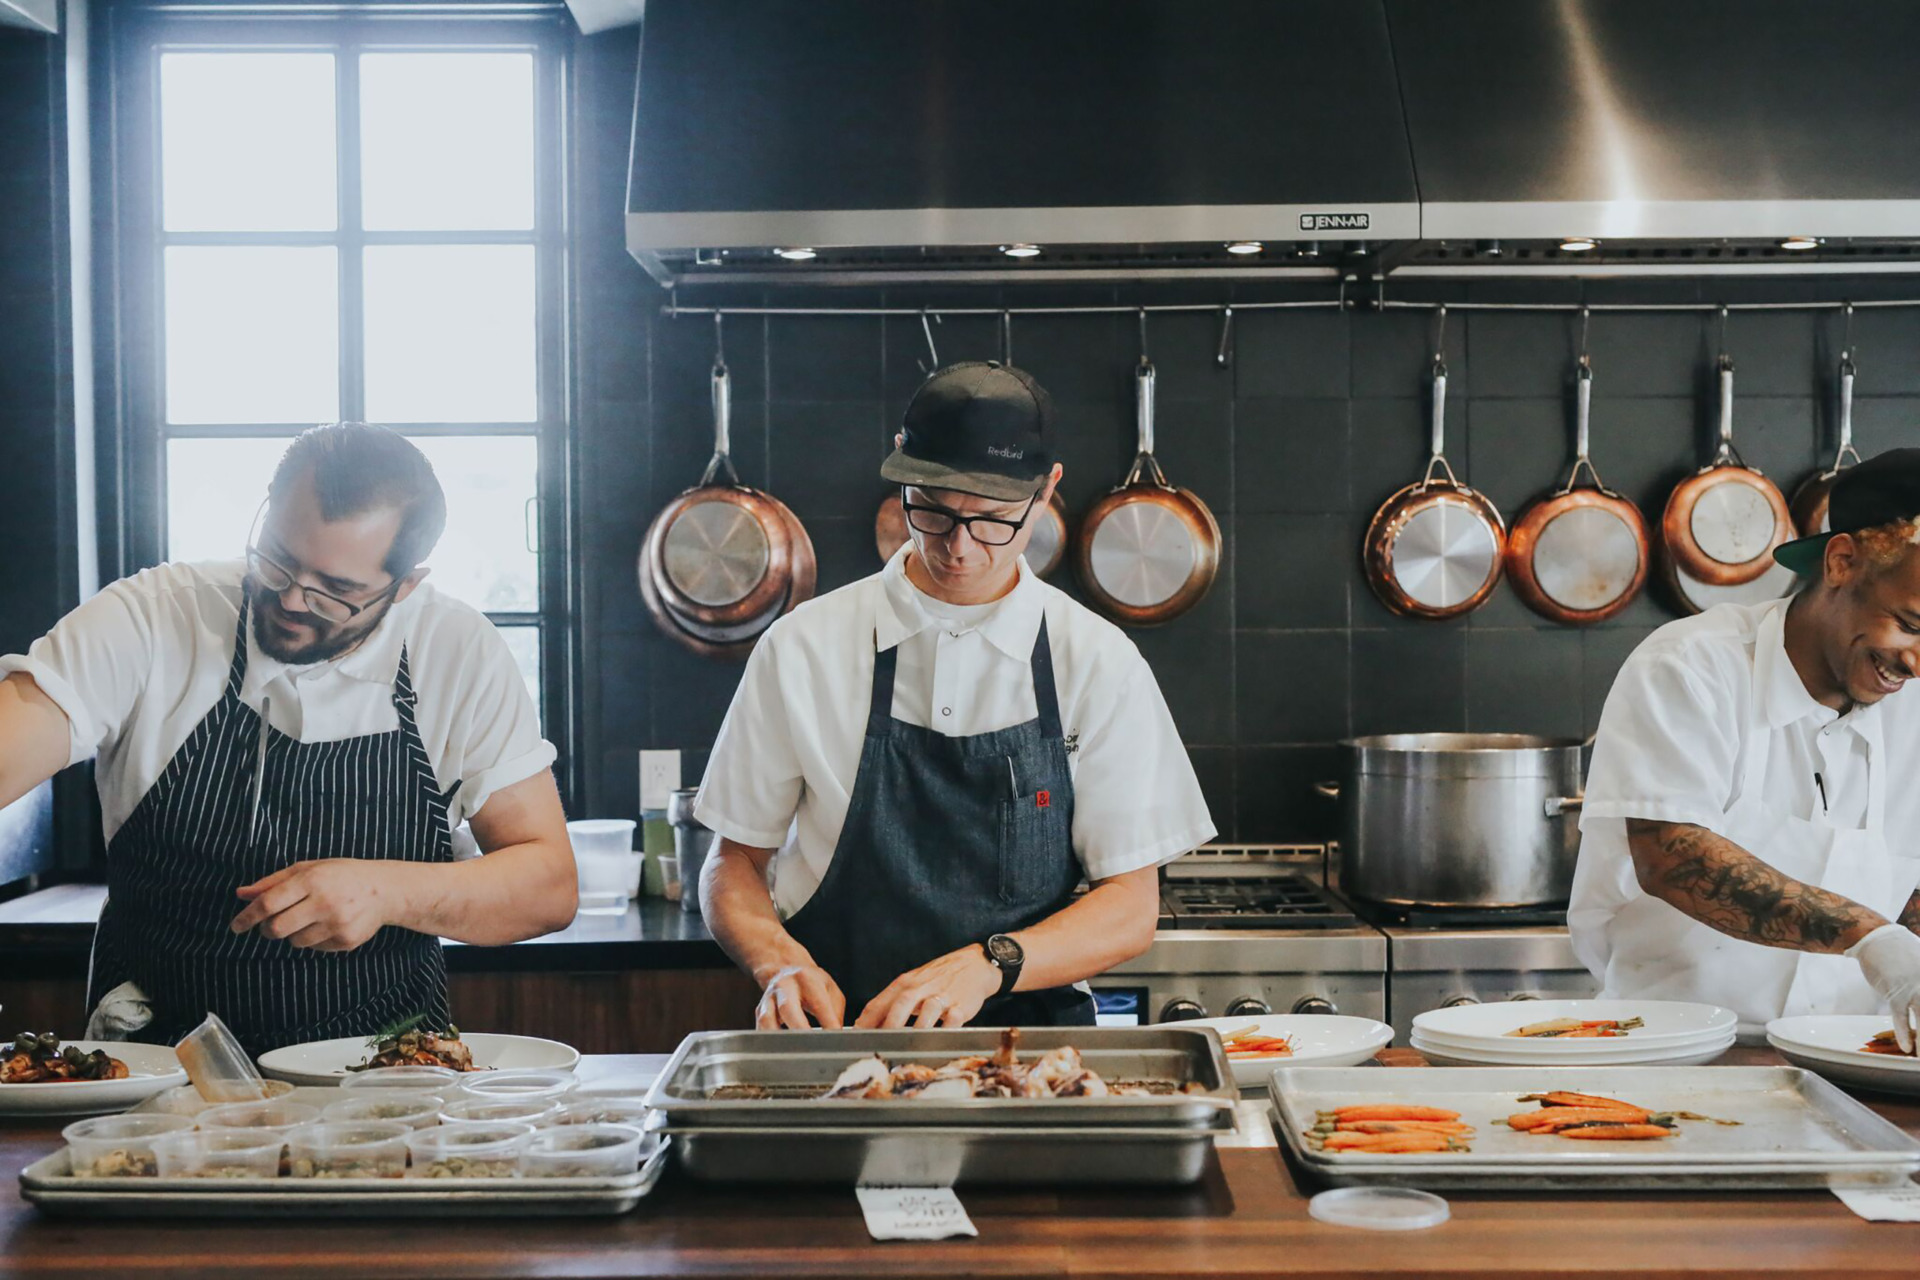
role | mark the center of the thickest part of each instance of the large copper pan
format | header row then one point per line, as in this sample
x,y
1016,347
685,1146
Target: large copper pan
x,y
733,642
1722,522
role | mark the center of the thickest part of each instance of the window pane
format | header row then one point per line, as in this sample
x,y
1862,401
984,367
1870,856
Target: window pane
x,y
483,557
525,643
446,141
252,334
214,487
246,141
450,333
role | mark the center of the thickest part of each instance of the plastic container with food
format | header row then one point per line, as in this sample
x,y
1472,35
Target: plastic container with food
x,y
186,1100
518,1085
628,1111
470,1149
583,1151
427,1079
410,1107
219,1153
533,1111
348,1149
118,1146
278,1117
626,1086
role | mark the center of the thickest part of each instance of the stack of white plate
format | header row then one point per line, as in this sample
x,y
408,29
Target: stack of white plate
x,y
1828,1044
1672,1034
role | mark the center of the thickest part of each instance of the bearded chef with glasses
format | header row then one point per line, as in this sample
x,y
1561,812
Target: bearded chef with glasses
x,y
920,770
282,749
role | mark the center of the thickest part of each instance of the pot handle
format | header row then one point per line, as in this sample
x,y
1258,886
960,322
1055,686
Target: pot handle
x,y
1559,806
1331,790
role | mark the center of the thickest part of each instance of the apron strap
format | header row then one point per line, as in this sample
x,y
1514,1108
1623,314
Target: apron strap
x,y
1046,698
880,715
237,671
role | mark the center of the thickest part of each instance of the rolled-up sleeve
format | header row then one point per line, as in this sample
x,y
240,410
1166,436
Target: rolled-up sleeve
x,y
93,665
753,780
1136,801
494,740
1668,742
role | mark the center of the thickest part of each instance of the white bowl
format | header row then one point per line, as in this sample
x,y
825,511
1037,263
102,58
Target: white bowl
x,y
1664,1057
1319,1040
1668,1022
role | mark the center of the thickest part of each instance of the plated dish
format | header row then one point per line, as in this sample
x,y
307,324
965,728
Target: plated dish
x,y
43,1075
1316,1040
329,1062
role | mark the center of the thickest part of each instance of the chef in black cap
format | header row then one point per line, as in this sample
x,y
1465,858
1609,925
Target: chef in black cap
x,y
920,769
1751,831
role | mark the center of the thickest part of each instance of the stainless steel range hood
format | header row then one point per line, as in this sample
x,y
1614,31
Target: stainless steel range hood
x,y
1140,137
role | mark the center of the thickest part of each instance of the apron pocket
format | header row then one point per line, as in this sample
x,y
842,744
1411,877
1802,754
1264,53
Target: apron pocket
x,y
1035,848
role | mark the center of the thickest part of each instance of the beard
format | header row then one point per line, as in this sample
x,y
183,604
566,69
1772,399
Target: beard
x,y
329,639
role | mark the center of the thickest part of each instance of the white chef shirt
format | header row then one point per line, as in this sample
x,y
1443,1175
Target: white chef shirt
x,y
782,771
137,667
1672,745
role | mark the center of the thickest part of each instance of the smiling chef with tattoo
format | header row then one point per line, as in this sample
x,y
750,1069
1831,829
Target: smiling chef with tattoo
x,y
1751,833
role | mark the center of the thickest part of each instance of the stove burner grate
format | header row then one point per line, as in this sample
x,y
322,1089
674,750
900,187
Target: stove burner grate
x,y
1251,902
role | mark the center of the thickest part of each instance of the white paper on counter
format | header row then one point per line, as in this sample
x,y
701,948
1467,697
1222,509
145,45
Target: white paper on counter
x,y
914,1213
1883,1204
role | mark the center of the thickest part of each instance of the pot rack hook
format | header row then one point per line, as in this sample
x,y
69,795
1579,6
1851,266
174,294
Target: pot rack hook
x,y
1586,317
933,352
719,343
1144,361
1440,340
1846,336
1223,356
1006,338
1723,334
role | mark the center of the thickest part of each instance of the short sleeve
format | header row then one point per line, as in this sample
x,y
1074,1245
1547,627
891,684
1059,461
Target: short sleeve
x,y
753,780
1668,743
494,737
93,665
1136,801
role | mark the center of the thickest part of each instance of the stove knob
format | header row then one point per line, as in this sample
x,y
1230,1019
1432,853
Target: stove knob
x,y
1314,1004
1457,1001
1248,1007
1525,995
1180,1009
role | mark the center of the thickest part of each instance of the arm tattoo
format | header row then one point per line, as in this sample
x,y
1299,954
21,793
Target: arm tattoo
x,y
1724,887
1910,914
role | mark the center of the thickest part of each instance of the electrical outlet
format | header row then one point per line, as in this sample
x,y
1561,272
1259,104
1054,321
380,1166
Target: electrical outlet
x,y
659,777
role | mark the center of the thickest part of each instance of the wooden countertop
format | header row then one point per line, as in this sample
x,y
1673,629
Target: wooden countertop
x,y
1247,1218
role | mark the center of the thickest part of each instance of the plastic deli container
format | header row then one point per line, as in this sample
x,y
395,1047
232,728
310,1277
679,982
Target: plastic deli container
x,y
219,1068
439,1080
518,1086
119,1146
583,1151
219,1153
627,1086
627,1111
592,836
410,1107
349,1149
533,1111
474,1149
276,1117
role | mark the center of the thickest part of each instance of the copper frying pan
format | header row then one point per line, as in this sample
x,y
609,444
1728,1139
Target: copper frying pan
x,y
1434,549
735,642
1044,553
1691,595
1147,551
1579,555
1809,504
1722,522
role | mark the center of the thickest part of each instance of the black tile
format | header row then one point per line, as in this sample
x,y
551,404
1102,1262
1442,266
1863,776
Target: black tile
x,y
1644,446
1882,423
615,789
1094,445
1292,354
1393,354
1293,571
682,445
1409,681
625,697
610,554
1524,682
1291,455
1214,767
683,350
1277,804
1184,346
956,338
1603,651
1521,353
1775,353
1291,685
844,551
1777,435
1887,351
1194,669
690,694
1194,443
1648,354
824,358
1520,450
1078,357
613,360
825,457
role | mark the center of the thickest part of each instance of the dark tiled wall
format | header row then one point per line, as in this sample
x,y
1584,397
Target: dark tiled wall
x,y
1319,419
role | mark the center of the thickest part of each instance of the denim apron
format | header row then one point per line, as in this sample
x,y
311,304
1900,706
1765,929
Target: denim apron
x,y
947,841
172,869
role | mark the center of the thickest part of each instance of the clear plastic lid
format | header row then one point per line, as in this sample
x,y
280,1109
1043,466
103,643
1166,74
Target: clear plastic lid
x,y
275,1116
220,1069
533,1111
438,1080
519,1086
411,1107
1380,1208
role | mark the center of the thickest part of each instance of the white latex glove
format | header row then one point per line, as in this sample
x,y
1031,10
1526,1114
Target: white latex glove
x,y
1890,960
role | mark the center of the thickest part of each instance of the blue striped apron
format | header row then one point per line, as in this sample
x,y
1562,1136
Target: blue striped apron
x,y
173,867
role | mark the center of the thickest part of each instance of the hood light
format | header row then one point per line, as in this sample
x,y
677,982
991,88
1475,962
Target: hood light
x,y
1244,247
1021,250
1579,244
797,254
1800,244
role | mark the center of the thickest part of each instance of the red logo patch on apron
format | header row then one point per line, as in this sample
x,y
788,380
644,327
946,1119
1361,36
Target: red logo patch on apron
x,y
1042,799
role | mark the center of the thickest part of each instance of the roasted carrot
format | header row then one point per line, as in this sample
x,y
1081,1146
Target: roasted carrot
x,y
1562,1099
1404,1126
1385,1142
1547,1119
1610,1132
1392,1111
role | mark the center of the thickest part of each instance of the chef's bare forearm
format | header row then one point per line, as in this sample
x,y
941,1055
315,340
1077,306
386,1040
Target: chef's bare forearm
x,y
1112,922
1910,914
524,885
739,912
33,737
1720,884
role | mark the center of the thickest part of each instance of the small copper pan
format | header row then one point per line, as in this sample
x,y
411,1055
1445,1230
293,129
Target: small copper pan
x,y
733,642
1809,504
1723,521
1435,548
1579,555
1044,553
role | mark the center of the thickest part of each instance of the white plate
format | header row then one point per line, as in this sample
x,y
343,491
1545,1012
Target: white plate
x,y
1667,1021
1549,1051
1840,1035
1319,1040
151,1068
323,1062
1665,1057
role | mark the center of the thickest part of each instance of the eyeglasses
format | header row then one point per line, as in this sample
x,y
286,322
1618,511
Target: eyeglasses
x,y
988,531
275,577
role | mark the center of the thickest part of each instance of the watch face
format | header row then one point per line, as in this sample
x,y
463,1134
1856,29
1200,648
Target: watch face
x,y
1005,951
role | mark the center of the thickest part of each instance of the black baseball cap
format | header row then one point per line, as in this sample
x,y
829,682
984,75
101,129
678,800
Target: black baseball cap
x,y
1882,490
977,428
